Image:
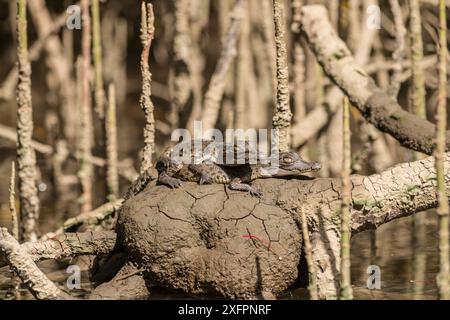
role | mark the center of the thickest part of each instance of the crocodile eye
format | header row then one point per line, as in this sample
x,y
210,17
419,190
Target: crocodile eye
x,y
287,160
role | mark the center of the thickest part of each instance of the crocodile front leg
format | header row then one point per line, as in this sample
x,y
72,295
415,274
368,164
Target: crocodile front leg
x,y
167,168
204,171
169,181
236,184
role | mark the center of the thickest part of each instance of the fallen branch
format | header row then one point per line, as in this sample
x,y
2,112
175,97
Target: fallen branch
x,y
23,265
69,245
90,218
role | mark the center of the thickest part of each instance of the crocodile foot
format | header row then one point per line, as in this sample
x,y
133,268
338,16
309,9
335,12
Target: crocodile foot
x,y
206,178
236,184
169,181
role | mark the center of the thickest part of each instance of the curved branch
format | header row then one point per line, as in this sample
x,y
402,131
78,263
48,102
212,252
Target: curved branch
x,y
69,245
22,264
375,104
320,116
401,191
93,217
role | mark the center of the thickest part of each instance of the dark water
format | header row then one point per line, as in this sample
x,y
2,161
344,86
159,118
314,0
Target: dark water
x,y
391,248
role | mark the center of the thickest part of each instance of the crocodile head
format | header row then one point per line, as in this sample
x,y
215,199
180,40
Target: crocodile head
x,y
290,164
291,161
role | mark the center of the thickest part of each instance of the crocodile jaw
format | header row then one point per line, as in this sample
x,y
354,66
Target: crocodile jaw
x,y
297,168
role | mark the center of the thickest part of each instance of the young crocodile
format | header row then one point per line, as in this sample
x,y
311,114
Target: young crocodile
x,y
210,170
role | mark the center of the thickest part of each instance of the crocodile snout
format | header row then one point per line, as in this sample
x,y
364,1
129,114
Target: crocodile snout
x,y
316,166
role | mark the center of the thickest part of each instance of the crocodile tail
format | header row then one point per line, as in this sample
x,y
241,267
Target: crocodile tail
x,y
140,183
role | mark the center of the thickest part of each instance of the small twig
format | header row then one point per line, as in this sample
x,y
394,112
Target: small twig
x,y
115,43
319,96
418,107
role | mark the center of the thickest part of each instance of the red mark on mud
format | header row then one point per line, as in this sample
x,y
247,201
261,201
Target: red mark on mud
x,y
264,243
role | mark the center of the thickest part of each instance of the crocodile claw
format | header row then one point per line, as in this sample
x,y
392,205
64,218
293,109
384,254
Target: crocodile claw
x,y
169,181
255,192
174,183
206,179
236,184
